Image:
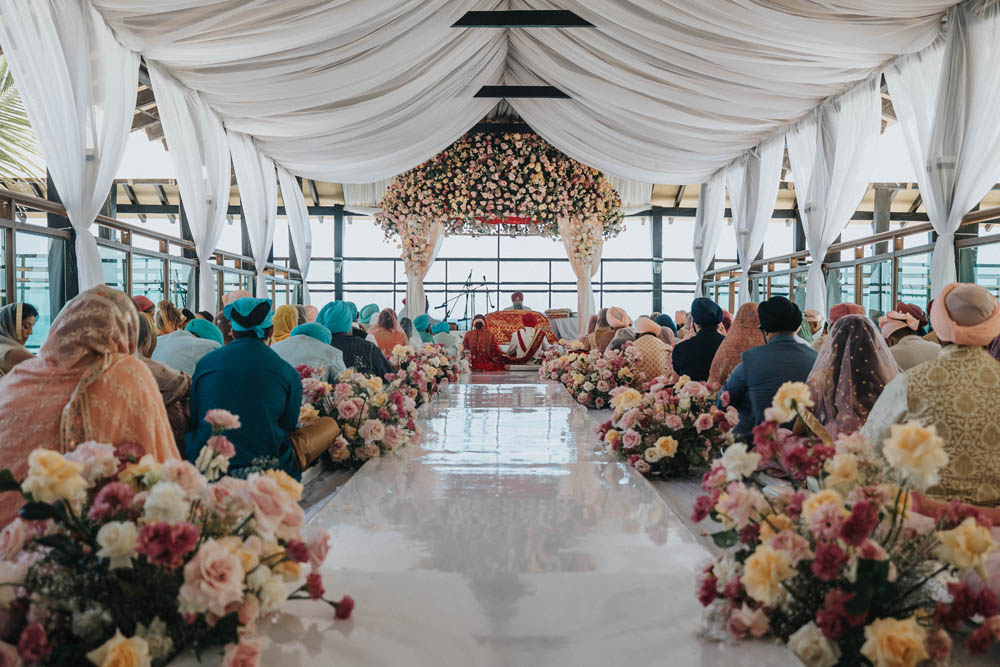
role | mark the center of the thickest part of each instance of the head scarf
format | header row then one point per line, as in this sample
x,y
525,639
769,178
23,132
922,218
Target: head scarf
x,y
668,336
966,314
744,335
914,310
895,320
311,313
644,325
727,320
205,329
368,312
147,335
618,318
779,314
11,323
143,304
852,369
406,324
337,316
705,312
664,320
841,309
250,314
441,327
421,322
234,296
313,330
303,314
529,320
285,319
478,322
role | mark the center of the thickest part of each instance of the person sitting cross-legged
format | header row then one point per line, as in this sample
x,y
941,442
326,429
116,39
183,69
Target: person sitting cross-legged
x,y
904,329
693,356
359,354
655,355
482,346
309,344
528,341
183,348
445,338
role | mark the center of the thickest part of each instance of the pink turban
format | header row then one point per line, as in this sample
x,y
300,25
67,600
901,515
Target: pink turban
x,y
646,325
842,309
894,320
235,296
966,314
812,316
311,313
618,318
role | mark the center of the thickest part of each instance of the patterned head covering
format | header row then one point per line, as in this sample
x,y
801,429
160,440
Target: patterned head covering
x,y
11,324
250,314
441,327
529,320
205,329
143,304
337,316
421,322
665,320
966,314
234,296
618,318
313,330
285,319
852,369
744,334
706,313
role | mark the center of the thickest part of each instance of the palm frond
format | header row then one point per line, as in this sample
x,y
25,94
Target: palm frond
x,y
19,153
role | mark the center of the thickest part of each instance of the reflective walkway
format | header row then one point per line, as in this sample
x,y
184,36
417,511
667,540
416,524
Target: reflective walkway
x,y
504,540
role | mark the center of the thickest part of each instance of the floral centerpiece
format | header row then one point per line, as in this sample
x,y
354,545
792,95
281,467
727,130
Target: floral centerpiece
x,y
117,559
671,429
835,562
590,377
424,372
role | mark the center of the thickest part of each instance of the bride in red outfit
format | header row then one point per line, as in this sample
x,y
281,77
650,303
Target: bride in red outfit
x,y
483,348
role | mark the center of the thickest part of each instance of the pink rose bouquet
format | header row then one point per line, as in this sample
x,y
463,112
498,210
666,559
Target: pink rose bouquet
x,y
591,377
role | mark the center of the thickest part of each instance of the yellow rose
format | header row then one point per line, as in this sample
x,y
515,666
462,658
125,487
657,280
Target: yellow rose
x,y
144,473
378,399
965,546
825,497
349,431
681,381
287,484
842,471
667,446
308,414
773,524
625,372
51,477
890,642
917,450
626,400
431,372
249,558
121,652
373,384
764,571
790,397
612,436
288,570
577,378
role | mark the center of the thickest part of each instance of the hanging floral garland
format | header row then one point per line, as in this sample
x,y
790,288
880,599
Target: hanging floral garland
x,y
515,184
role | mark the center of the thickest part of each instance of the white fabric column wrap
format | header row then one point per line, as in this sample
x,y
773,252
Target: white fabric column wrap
x,y
258,187
415,273
298,225
585,265
708,225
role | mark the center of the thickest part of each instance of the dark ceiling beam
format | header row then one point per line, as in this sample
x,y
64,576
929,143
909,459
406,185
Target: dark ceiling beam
x,y
164,200
315,196
525,18
508,92
234,209
502,128
916,203
680,195
779,214
130,193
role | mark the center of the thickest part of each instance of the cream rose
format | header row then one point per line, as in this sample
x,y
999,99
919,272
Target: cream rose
x,y
213,580
51,477
287,484
652,455
842,471
790,397
667,446
626,400
120,651
738,462
890,642
167,502
763,573
918,451
965,546
118,540
811,647
12,539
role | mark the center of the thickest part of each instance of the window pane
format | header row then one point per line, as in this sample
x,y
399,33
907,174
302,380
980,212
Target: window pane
x,y
35,255
147,277
114,264
877,295
181,284
915,279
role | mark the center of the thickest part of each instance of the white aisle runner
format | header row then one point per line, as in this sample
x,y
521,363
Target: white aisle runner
x,y
504,540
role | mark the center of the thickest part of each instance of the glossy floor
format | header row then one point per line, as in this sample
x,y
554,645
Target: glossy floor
x,y
503,539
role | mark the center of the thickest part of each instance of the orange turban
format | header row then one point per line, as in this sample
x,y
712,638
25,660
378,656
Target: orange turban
x,y
646,325
842,309
618,318
966,314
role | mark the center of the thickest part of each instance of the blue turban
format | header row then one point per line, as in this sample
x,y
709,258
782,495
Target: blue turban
x,y
441,327
705,312
205,329
665,320
250,314
368,311
421,322
337,316
313,330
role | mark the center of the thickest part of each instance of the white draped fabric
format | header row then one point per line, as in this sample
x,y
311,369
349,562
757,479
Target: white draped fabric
x,y
752,182
258,187
585,265
708,225
663,91
200,153
946,102
635,196
832,154
78,86
298,225
361,196
417,268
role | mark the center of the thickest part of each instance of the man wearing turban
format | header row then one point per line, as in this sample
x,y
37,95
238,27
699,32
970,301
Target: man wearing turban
x,y
903,329
360,354
516,302
958,393
763,369
693,356
527,342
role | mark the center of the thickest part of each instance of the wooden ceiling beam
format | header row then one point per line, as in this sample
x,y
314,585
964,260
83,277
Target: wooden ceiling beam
x,y
524,18
538,92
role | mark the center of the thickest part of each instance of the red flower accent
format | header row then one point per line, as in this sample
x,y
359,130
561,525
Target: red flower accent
x,y
34,646
344,608
829,561
314,585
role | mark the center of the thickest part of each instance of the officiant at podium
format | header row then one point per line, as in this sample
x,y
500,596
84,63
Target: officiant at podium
x,y
517,302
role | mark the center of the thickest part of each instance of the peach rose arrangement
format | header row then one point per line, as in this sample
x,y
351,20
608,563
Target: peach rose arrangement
x,y
117,559
424,372
835,561
591,377
672,429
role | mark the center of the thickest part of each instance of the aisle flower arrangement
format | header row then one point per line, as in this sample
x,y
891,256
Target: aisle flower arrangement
x,y
836,564
117,559
670,430
591,377
425,371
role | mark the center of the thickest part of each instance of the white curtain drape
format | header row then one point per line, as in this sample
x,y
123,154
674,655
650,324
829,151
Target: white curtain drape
x,y
360,196
78,85
418,265
832,153
258,187
200,154
298,225
584,243
752,182
946,101
708,225
635,196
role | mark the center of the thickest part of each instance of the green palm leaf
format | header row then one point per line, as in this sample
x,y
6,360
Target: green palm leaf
x,y
19,152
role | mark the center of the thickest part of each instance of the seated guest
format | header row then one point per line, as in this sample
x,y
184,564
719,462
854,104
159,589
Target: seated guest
x,y
204,315
302,314
484,351
169,318
222,324
622,336
516,302
959,393
668,330
285,319
727,321
693,356
423,325
754,382
813,320
234,296
528,341
903,329
412,339
75,389
174,386
365,316
17,321
686,326
309,344
931,335
311,313
618,318
358,353
444,337
144,305
836,312
184,348
601,336
744,335
386,333
250,380
591,327
655,354
189,316
853,367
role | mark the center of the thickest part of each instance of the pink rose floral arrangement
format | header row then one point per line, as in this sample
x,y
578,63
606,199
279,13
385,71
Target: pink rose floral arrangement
x,y
591,377
672,429
424,372
835,561
117,559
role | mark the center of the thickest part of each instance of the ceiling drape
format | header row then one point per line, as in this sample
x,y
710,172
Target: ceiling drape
x,y
708,225
298,225
258,187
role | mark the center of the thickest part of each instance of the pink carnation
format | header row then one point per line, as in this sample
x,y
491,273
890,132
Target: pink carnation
x,y
166,544
228,497
213,580
825,522
318,545
342,392
222,420
185,475
113,497
793,544
746,622
222,445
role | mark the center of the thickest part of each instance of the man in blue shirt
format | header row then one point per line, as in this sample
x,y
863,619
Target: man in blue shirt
x,y
763,369
250,380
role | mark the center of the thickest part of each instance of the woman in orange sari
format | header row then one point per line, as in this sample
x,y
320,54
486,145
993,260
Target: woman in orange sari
x,y
387,332
483,347
744,334
86,384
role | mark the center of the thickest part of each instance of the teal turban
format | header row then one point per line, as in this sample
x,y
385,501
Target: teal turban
x,y
205,329
313,330
337,316
441,327
354,309
421,322
368,311
250,314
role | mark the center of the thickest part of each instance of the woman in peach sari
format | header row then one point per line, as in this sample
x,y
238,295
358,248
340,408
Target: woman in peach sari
x,y
744,334
85,384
